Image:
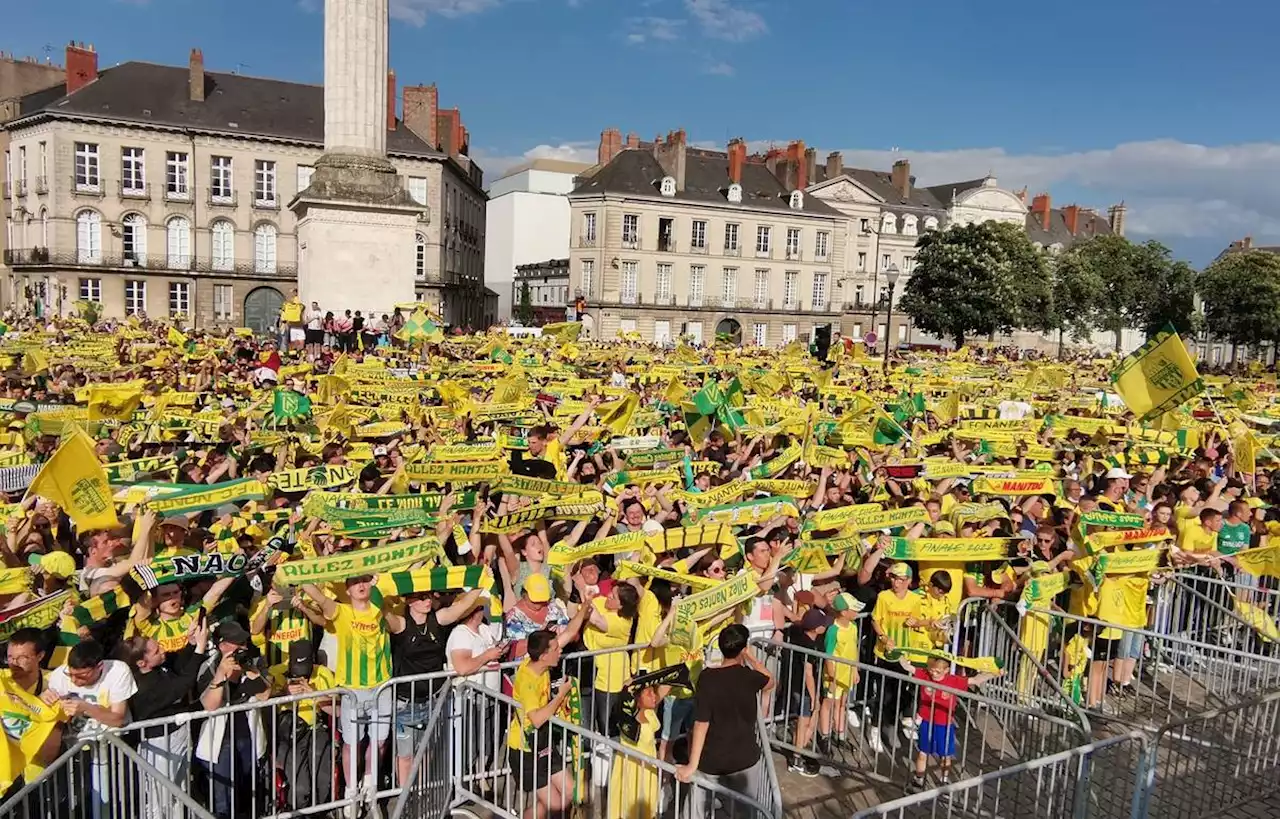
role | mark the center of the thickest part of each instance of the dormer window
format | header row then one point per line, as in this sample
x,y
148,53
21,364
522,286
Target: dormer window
x,y
668,186
735,193
888,223
909,225
797,200
930,223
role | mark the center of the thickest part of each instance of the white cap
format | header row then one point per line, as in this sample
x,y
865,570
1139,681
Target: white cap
x,y
266,374
379,451
1116,473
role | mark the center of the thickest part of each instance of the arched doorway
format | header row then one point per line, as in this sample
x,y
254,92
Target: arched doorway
x,y
730,330
262,308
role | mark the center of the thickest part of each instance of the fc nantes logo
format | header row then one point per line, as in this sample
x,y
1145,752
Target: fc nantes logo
x,y
88,497
1165,374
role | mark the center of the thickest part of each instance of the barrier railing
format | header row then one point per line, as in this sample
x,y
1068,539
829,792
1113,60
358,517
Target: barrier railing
x,y
427,791
1209,609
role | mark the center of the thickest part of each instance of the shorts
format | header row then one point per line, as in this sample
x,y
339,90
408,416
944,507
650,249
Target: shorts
x,y
676,717
296,334
834,690
362,716
1131,646
938,739
315,336
411,725
806,702
1106,650
535,768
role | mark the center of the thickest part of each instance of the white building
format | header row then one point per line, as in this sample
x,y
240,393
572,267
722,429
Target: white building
x,y
527,221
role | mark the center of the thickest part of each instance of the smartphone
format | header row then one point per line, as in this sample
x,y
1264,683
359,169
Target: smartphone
x,y
200,617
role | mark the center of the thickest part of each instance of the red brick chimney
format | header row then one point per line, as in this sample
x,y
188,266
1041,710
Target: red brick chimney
x,y
1247,243
450,131
793,177
810,168
82,66
420,104
671,156
633,140
196,79
1072,214
391,100
610,145
901,178
737,158
1042,206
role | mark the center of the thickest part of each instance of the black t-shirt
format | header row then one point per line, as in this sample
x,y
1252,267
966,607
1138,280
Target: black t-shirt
x,y
726,699
797,660
419,649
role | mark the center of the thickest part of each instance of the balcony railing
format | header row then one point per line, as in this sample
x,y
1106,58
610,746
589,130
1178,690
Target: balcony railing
x,y
631,244
20,188
138,190
820,256
87,185
46,257
696,301
702,248
261,202
790,304
666,245
729,302
629,298
586,241
733,251
181,195
664,299
222,200
794,254
764,254
42,185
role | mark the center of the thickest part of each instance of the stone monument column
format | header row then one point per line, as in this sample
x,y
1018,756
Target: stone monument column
x,y
356,222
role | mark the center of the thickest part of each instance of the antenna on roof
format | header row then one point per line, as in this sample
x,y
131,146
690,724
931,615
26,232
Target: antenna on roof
x,y
239,66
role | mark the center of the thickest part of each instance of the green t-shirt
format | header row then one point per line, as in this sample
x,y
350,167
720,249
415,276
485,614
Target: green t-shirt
x,y
1233,538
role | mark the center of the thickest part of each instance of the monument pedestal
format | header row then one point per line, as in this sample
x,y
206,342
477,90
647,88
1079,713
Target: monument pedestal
x,y
356,226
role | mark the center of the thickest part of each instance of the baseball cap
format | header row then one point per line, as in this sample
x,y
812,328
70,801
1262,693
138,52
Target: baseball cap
x,y
177,521
58,564
537,588
379,451
233,632
300,660
813,619
1116,473
900,570
944,527
847,602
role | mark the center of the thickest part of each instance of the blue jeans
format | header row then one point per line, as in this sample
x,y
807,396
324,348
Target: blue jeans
x,y
233,778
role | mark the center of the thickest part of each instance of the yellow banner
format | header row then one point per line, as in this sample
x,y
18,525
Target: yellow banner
x,y
316,477
1014,486
360,562
706,604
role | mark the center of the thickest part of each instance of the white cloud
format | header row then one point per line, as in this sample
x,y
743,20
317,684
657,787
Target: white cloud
x,y
416,12
648,29
496,164
723,20
720,69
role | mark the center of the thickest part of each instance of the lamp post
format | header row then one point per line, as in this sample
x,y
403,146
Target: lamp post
x,y
891,276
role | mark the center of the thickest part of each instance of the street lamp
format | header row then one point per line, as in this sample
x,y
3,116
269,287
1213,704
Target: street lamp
x,y
891,275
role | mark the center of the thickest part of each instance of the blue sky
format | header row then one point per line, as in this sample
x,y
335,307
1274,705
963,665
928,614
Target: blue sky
x,y
1163,105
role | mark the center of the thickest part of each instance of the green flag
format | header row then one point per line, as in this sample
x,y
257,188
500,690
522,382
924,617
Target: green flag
x,y
887,432
287,404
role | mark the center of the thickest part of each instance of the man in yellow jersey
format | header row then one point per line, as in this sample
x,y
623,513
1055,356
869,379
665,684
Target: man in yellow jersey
x,y
894,607
363,632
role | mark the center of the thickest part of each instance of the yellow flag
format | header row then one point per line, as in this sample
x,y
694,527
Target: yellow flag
x,y
114,402
35,361
1157,377
176,337
616,415
28,722
1246,452
75,480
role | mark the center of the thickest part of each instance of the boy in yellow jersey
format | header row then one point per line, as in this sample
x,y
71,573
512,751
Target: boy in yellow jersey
x,y
890,618
839,678
937,613
161,616
363,633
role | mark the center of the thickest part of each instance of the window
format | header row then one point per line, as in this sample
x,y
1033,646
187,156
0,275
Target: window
x,y
788,333
305,173
88,237
735,193
132,171
44,227
88,172
43,179
760,333
420,256
797,200
762,240
820,244
663,291
630,229
178,233
135,297
696,274
888,223
91,290
626,325
857,293
589,229
930,223
222,302
885,261
668,186
907,263
224,245
630,275
731,239
793,243
693,330
791,289
819,291
177,175
264,248
908,225
864,225
22,166
133,239
264,182
729,287
883,332
8,171
417,187
179,299
661,331
220,189
862,262
902,333
698,237
588,274
762,287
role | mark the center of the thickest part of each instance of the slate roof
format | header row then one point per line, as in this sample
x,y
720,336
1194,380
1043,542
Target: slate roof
x,y
706,179
880,183
1088,225
151,94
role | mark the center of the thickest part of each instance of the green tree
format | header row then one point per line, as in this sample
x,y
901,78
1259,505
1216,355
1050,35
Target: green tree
x,y
978,279
1241,297
525,311
1077,289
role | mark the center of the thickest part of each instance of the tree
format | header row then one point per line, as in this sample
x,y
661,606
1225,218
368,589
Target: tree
x,y
1077,289
978,279
525,311
1241,295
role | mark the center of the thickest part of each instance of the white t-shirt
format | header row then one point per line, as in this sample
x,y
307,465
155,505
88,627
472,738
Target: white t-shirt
x,y
315,320
476,642
115,686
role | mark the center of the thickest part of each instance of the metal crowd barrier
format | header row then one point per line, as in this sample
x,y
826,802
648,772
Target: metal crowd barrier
x,y
1211,609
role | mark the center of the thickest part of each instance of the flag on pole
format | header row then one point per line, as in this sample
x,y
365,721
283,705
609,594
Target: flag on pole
x,y
75,480
1157,377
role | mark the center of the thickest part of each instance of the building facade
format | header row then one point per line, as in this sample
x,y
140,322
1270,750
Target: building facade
x,y
165,191
548,284
527,221
673,241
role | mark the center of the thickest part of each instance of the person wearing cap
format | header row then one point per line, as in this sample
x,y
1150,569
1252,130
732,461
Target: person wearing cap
x,y
535,608
840,673
102,571
895,609
803,672
277,621
303,741
1116,486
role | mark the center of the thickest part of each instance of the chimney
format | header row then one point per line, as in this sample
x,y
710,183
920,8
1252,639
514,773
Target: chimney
x,y
633,140
792,176
1072,214
771,160
610,146
901,178
82,66
810,168
835,164
1115,215
1022,195
1041,206
1247,243
737,158
197,75
391,100
450,131
671,156
419,108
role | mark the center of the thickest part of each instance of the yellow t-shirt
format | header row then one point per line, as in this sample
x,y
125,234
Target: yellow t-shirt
x,y
1193,537
890,616
611,669
934,609
322,679
842,640
284,626
954,570
554,453
532,690
364,647
171,635
1122,599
